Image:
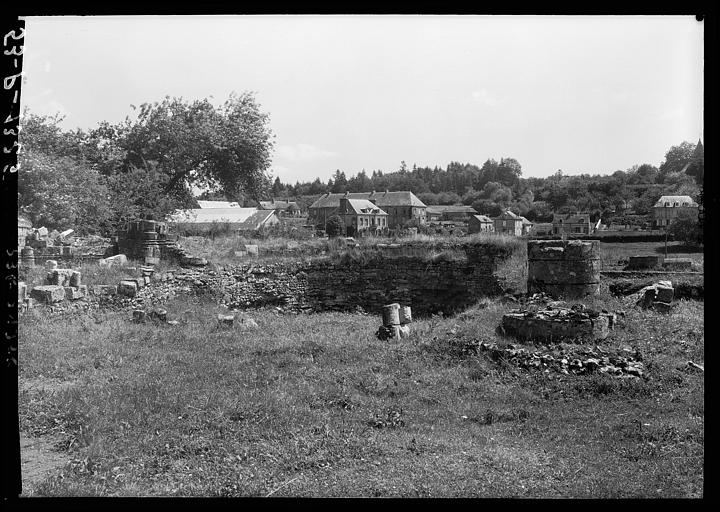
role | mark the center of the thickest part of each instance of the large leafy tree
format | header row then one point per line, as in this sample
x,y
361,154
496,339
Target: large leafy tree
x,y
195,144
59,192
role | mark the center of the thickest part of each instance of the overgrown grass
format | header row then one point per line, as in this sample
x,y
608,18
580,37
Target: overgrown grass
x,y
222,249
315,405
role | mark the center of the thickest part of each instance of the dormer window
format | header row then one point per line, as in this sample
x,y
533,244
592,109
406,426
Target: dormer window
x,y
667,204
685,204
676,204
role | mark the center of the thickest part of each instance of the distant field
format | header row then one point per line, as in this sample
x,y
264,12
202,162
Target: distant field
x,y
315,405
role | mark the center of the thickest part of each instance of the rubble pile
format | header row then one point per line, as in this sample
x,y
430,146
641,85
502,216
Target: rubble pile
x,y
627,363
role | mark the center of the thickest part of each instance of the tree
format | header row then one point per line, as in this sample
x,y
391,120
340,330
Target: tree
x,y
686,228
340,182
675,159
226,148
59,193
335,226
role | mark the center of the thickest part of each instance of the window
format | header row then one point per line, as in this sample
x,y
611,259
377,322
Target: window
x,y
676,204
685,204
667,204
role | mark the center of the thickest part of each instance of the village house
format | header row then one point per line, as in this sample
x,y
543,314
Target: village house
x,y
572,224
542,229
480,224
508,223
361,216
436,213
401,207
283,207
667,208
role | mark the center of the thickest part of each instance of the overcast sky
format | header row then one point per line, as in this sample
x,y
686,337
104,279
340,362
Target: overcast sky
x,y
578,93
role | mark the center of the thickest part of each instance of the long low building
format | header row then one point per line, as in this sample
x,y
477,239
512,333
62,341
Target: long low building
x,y
234,218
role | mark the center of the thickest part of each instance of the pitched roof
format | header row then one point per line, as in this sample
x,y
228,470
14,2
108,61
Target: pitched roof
x,y
256,220
675,199
382,199
507,214
571,218
200,215
483,218
364,206
453,208
276,204
218,204
525,221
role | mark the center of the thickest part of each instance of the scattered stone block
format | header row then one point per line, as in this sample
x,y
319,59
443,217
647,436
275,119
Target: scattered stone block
x,y
391,314
147,280
152,260
22,291
159,314
643,262
48,294
139,316
197,262
240,254
677,264
225,320
73,293
252,250
104,289
248,323
60,276
405,315
664,293
118,259
173,322
42,232
75,278
67,251
51,264
127,288
139,282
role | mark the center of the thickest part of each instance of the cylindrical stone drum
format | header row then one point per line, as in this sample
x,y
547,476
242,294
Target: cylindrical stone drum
x,y
564,268
391,314
27,256
405,315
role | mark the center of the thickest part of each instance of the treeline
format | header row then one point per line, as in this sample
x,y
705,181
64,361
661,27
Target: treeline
x,y
497,185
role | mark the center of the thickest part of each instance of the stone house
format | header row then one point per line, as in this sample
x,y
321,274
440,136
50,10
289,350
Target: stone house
x,y
508,223
401,207
526,226
667,208
454,212
542,229
480,224
361,216
218,204
572,224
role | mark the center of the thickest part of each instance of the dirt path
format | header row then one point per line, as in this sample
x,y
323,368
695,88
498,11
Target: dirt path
x,y
38,460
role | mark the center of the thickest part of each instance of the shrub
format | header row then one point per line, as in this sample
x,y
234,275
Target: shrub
x,y
335,226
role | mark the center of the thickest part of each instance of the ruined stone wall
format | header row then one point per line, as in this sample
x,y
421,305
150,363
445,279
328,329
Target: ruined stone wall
x,y
425,285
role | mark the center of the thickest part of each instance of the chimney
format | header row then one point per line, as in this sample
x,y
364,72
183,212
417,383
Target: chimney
x,y
347,193
343,205
386,191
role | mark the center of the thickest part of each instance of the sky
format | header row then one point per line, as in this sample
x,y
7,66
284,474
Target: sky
x,y
585,94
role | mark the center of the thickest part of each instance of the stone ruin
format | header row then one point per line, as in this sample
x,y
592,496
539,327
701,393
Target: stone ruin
x,y
564,268
150,241
396,322
547,321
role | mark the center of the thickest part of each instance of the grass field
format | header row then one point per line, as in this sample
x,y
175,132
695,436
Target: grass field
x,y
315,405
612,253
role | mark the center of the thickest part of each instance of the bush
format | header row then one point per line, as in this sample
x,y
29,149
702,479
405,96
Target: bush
x,y
686,228
335,226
